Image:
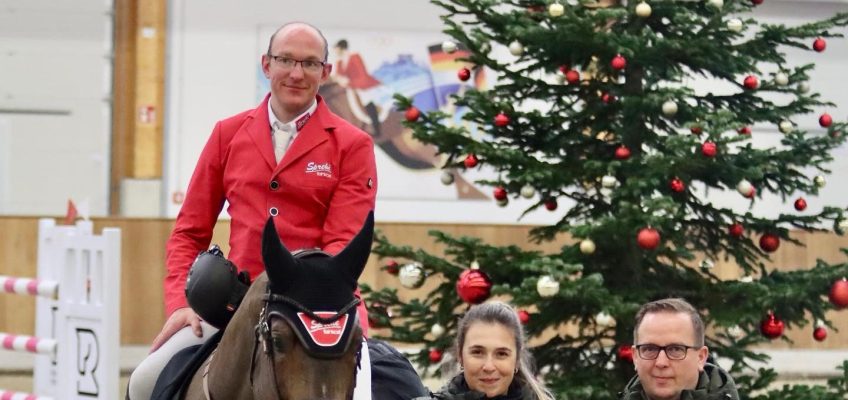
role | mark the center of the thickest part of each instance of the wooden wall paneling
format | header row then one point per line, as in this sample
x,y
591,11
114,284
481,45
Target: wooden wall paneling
x,y
123,99
143,260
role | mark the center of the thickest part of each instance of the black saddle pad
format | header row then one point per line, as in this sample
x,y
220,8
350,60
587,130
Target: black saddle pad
x,y
392,376
176,376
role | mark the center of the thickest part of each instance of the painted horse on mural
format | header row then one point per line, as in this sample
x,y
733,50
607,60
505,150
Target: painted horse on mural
x,y
296,334
390,135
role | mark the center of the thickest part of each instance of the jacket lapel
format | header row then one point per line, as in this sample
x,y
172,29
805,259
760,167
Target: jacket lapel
x,y
259,130
314,133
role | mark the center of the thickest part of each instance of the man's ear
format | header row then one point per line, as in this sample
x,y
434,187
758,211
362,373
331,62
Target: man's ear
x,y
325,72
703,352
266,65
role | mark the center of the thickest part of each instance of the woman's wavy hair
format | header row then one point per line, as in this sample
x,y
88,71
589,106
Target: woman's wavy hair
x,y
496,312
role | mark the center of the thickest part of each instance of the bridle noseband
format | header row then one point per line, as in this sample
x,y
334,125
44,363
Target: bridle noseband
x,y
262,331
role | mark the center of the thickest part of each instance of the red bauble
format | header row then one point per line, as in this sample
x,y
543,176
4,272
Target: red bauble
x,y
648,238
769,242
819,45
771,326
412,114
435,355
745,130
625,353
376,314
607,98
839,293
696,130
501,120
677,185
473,286
470,161
392,267
735,230
825,120
618,62
820,333
523,317
622,152
572,76
551,204
752,193
709,149
463,74
757,2
751,82
800,204
499,193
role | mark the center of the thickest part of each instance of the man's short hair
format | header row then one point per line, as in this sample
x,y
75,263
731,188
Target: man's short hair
x,y
672,305
321,34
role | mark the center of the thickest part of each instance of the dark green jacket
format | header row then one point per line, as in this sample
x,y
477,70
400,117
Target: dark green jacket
x,y
713,384
457,389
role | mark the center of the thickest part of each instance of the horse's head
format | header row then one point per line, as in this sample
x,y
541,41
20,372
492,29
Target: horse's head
x,y
308,336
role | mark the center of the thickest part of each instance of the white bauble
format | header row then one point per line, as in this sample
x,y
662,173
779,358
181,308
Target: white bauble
x,y
746,279
643,10
781,79
411,275
735,24
744,187
604,319
785,126
609,181
843,225
587,246
556,9
716,4
547,286
437,330
804,87
735,331
447,177
820,181
516,48
669,108
448,46
528,191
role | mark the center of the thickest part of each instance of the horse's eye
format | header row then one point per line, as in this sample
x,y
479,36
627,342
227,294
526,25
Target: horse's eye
x,y
279,343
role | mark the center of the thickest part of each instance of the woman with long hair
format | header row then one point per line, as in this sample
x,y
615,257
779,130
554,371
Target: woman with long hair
x,y
493,358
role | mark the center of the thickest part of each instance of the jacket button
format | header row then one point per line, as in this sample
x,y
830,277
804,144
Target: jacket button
x,y
273,211
275,185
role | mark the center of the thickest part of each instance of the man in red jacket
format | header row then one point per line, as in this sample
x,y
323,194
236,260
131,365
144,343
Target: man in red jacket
x,y
290,159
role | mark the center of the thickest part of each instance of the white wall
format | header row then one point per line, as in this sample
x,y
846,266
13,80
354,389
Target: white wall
x,y
214,53
55,89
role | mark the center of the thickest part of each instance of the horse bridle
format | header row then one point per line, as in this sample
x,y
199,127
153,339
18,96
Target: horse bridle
x,y
262,331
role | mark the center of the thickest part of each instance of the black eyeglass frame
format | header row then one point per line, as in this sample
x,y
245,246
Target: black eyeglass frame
x,y
659,349
306,65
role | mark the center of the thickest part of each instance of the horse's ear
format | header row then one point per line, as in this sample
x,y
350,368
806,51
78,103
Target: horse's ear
x,y
355,254
279,262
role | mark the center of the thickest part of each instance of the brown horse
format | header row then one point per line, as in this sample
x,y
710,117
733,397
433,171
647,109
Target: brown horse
x,y
393,138
296,334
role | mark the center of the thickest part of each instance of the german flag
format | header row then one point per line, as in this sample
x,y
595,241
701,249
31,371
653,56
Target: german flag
x,y
440,62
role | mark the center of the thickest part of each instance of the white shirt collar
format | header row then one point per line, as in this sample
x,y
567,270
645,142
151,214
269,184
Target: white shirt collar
x,y
290,125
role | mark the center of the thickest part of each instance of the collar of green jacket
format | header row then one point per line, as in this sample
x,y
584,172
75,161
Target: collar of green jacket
x,y
457,389
714,383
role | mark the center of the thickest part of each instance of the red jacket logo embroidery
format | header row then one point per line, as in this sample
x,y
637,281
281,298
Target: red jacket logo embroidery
x,y
322,169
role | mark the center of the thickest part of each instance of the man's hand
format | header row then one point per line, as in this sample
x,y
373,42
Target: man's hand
x,y
178,320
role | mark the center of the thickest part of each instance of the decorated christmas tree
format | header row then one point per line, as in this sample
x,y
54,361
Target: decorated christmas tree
x,y
634,124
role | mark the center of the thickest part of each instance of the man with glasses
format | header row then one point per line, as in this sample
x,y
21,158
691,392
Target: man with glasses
x,y
671,358
290,159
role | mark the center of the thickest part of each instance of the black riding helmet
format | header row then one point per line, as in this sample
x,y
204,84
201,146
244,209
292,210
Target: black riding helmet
x,y
214,288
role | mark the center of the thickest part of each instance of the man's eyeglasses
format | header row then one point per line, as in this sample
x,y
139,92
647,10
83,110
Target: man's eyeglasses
x,y
672,351
288,63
